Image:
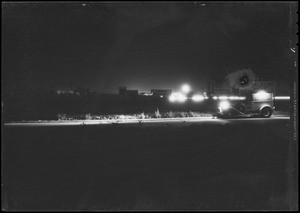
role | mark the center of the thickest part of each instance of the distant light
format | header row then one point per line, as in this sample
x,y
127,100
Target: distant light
x,y
173,97
223,97
147,94
224,105
185,88
282,97
235,98
205,95
197,98
161,96
177,97
181,97
215,97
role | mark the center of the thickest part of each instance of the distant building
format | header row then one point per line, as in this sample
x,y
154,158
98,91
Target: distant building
x,y
125,91
122,90
132,92
161,92
146,94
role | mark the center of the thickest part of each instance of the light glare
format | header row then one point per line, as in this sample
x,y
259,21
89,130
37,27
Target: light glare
x,y
197,98
181,97
224,105
186,88
223,97
282,97
177,97
262,95
173,97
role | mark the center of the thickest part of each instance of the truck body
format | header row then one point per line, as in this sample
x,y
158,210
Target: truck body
x,y
260,104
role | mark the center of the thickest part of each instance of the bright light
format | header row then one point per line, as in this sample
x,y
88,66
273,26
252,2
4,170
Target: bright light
x,y
223,97
173,97
224,105
161,96
282,97
181,97
262,95
197,98
234,98
186,88
177,96
148,94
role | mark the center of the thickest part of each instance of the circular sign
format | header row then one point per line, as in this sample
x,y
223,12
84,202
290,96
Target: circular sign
x,y
244,80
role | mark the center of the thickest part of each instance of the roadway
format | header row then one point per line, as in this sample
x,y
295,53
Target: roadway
x,y
144,121
157,164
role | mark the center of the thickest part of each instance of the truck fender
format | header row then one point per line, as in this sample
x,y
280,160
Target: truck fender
x,y
264,106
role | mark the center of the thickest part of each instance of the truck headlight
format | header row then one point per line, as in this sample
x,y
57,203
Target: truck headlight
x,y
224,105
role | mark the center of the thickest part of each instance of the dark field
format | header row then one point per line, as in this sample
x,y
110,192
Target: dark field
x,y
197,166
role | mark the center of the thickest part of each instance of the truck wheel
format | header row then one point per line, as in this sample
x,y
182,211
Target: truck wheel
x,y
266,112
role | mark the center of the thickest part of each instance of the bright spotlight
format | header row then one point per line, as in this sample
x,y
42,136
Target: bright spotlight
x,y
197,98
185,88
224,105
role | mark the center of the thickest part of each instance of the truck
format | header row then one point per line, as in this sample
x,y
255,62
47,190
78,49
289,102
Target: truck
x,y
259,104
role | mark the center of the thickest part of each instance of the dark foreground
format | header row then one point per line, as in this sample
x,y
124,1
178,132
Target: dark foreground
x,y
195,166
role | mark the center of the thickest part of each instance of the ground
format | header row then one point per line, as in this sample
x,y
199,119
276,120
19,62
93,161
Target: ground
x,y
212,164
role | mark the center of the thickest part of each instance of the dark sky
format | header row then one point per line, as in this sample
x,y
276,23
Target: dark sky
x,y
143,45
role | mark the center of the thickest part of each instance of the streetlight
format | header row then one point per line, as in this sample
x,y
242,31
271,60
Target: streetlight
x,y
185,88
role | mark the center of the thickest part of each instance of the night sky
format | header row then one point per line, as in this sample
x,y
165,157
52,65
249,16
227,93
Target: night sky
x,y
143,46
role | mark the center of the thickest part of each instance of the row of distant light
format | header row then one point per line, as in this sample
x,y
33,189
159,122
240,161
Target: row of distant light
x,y
185,89
180,97
229,98
282,97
